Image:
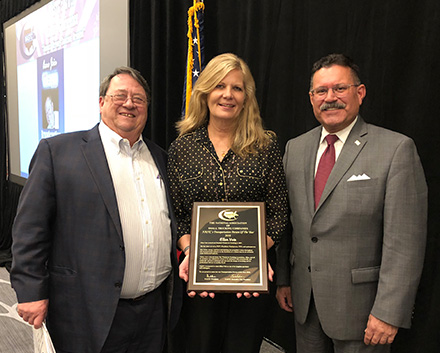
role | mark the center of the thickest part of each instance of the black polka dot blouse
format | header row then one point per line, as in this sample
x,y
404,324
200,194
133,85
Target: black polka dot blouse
x,y
196,174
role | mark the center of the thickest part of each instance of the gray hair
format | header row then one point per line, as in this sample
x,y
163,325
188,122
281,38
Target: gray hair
x,y
129,71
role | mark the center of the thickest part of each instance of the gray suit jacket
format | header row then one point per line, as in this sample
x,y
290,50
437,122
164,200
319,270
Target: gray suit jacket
x,y
362,250
68,244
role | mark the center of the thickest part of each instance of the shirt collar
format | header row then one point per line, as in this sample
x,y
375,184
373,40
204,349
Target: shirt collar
x,y
115,142
342,135
201,134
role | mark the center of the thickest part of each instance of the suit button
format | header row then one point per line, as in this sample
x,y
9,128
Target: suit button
x,y
314,239
118,284
122,247
308,268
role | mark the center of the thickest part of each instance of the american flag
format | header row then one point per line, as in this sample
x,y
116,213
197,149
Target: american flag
x,y
195,60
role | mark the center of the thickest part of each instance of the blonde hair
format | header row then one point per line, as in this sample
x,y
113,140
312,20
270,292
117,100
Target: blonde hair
x,y
249,135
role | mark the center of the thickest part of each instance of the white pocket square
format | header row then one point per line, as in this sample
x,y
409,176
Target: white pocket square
x,y
359,177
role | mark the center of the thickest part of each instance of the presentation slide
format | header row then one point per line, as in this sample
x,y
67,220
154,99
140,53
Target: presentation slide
x,y
57,52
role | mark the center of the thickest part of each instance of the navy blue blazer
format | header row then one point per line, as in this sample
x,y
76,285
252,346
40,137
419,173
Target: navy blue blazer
x,y
68,244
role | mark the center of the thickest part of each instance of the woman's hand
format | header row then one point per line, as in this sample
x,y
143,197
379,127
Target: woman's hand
x,y
183,268
270,274
183,273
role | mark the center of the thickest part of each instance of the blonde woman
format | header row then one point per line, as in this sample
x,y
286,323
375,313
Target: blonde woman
x,y
223,154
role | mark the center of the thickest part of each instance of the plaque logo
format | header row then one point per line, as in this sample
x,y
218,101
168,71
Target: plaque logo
x,y
228,215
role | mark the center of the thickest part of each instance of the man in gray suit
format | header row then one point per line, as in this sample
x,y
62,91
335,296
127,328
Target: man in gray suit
x,y
354,263
94,236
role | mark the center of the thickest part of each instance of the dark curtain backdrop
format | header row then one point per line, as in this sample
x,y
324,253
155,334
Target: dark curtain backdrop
x,y
395,43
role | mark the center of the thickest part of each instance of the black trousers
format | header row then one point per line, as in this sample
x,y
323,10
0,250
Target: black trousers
x,y
139,326
225,324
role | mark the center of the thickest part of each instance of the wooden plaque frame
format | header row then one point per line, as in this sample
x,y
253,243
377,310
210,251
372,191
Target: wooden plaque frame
x,y
228,247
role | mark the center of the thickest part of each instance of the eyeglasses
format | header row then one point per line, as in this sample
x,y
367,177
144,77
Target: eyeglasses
x,y
120,99
338,90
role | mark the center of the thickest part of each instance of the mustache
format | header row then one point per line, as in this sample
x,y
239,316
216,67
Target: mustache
x,y
332,105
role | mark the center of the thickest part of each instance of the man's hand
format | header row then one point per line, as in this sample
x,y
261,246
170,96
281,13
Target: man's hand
x,y
284,298
379,332
33,312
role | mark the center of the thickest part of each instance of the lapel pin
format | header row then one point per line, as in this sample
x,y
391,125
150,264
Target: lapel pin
x,y
357,142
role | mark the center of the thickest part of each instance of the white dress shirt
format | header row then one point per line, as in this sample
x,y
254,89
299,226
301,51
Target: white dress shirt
x,y
342,137
143,211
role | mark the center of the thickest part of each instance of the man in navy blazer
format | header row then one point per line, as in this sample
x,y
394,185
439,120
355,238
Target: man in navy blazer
x,y
354,263
94,237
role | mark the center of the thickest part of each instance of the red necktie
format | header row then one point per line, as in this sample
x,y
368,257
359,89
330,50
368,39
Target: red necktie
x,y
325,166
